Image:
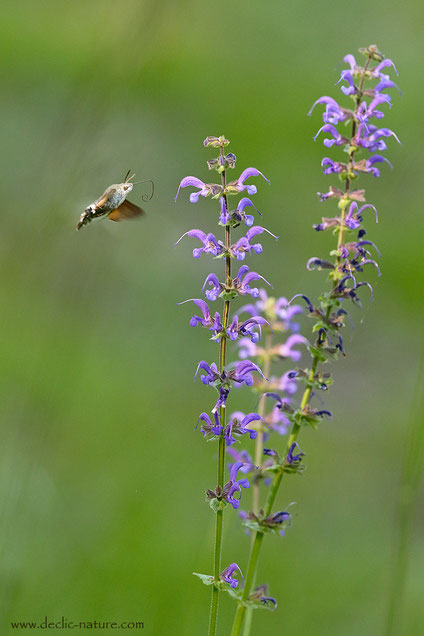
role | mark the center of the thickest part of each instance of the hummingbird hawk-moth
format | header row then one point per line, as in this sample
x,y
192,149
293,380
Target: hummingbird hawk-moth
x,y
113,204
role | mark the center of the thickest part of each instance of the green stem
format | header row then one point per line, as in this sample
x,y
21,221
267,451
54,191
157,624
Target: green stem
x,y
257,541
221,442
259,442
259,449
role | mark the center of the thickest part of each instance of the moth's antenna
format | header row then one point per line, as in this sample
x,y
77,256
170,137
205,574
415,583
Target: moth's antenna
x,y
126,176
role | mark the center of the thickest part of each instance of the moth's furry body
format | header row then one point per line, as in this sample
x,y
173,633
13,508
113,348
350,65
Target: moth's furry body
x,y
112,203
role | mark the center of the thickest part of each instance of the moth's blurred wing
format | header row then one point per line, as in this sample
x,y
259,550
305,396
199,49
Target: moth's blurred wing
x,y
100,202
126,210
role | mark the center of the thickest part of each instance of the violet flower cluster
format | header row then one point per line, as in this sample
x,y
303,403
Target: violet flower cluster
x,y
221,375
353,257
281,344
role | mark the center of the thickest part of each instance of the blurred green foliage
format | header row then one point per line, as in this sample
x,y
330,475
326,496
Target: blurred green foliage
x,y
102,476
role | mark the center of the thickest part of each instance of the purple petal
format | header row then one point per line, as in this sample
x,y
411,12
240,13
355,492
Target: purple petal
x,y
190,181
250,172
384,64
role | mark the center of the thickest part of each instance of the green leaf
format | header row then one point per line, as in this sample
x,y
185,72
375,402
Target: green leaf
x,y
207,579
317,353
228,295
217,504
258,527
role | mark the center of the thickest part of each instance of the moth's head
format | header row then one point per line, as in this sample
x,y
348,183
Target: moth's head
x,y
127,187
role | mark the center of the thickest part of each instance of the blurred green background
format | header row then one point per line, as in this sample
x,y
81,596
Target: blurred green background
x,y
102,477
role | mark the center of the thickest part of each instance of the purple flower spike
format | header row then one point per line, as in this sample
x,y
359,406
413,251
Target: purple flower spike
x,y
226,575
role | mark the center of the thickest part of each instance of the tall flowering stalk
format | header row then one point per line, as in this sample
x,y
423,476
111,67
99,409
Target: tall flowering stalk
x,y
280,343
366,85
222,376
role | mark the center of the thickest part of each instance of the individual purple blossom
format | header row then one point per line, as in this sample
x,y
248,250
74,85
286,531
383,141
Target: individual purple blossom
x,y
286,350
234,486
292,458
241,456
281,518
287,383
213,281
206,320
370,167
332,167
238,424
204,189
353,218
239,186
224,217
209,428
222,399
365,112
243,245
211,374
277,421
247,349
286,312
369,137
337,140
333,113
246,328
240,215
226,575
351,88
259,594
243,279
376,72
242,372
210,244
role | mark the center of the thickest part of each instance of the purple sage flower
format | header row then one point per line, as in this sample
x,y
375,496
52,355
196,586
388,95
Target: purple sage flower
x,y
227,575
